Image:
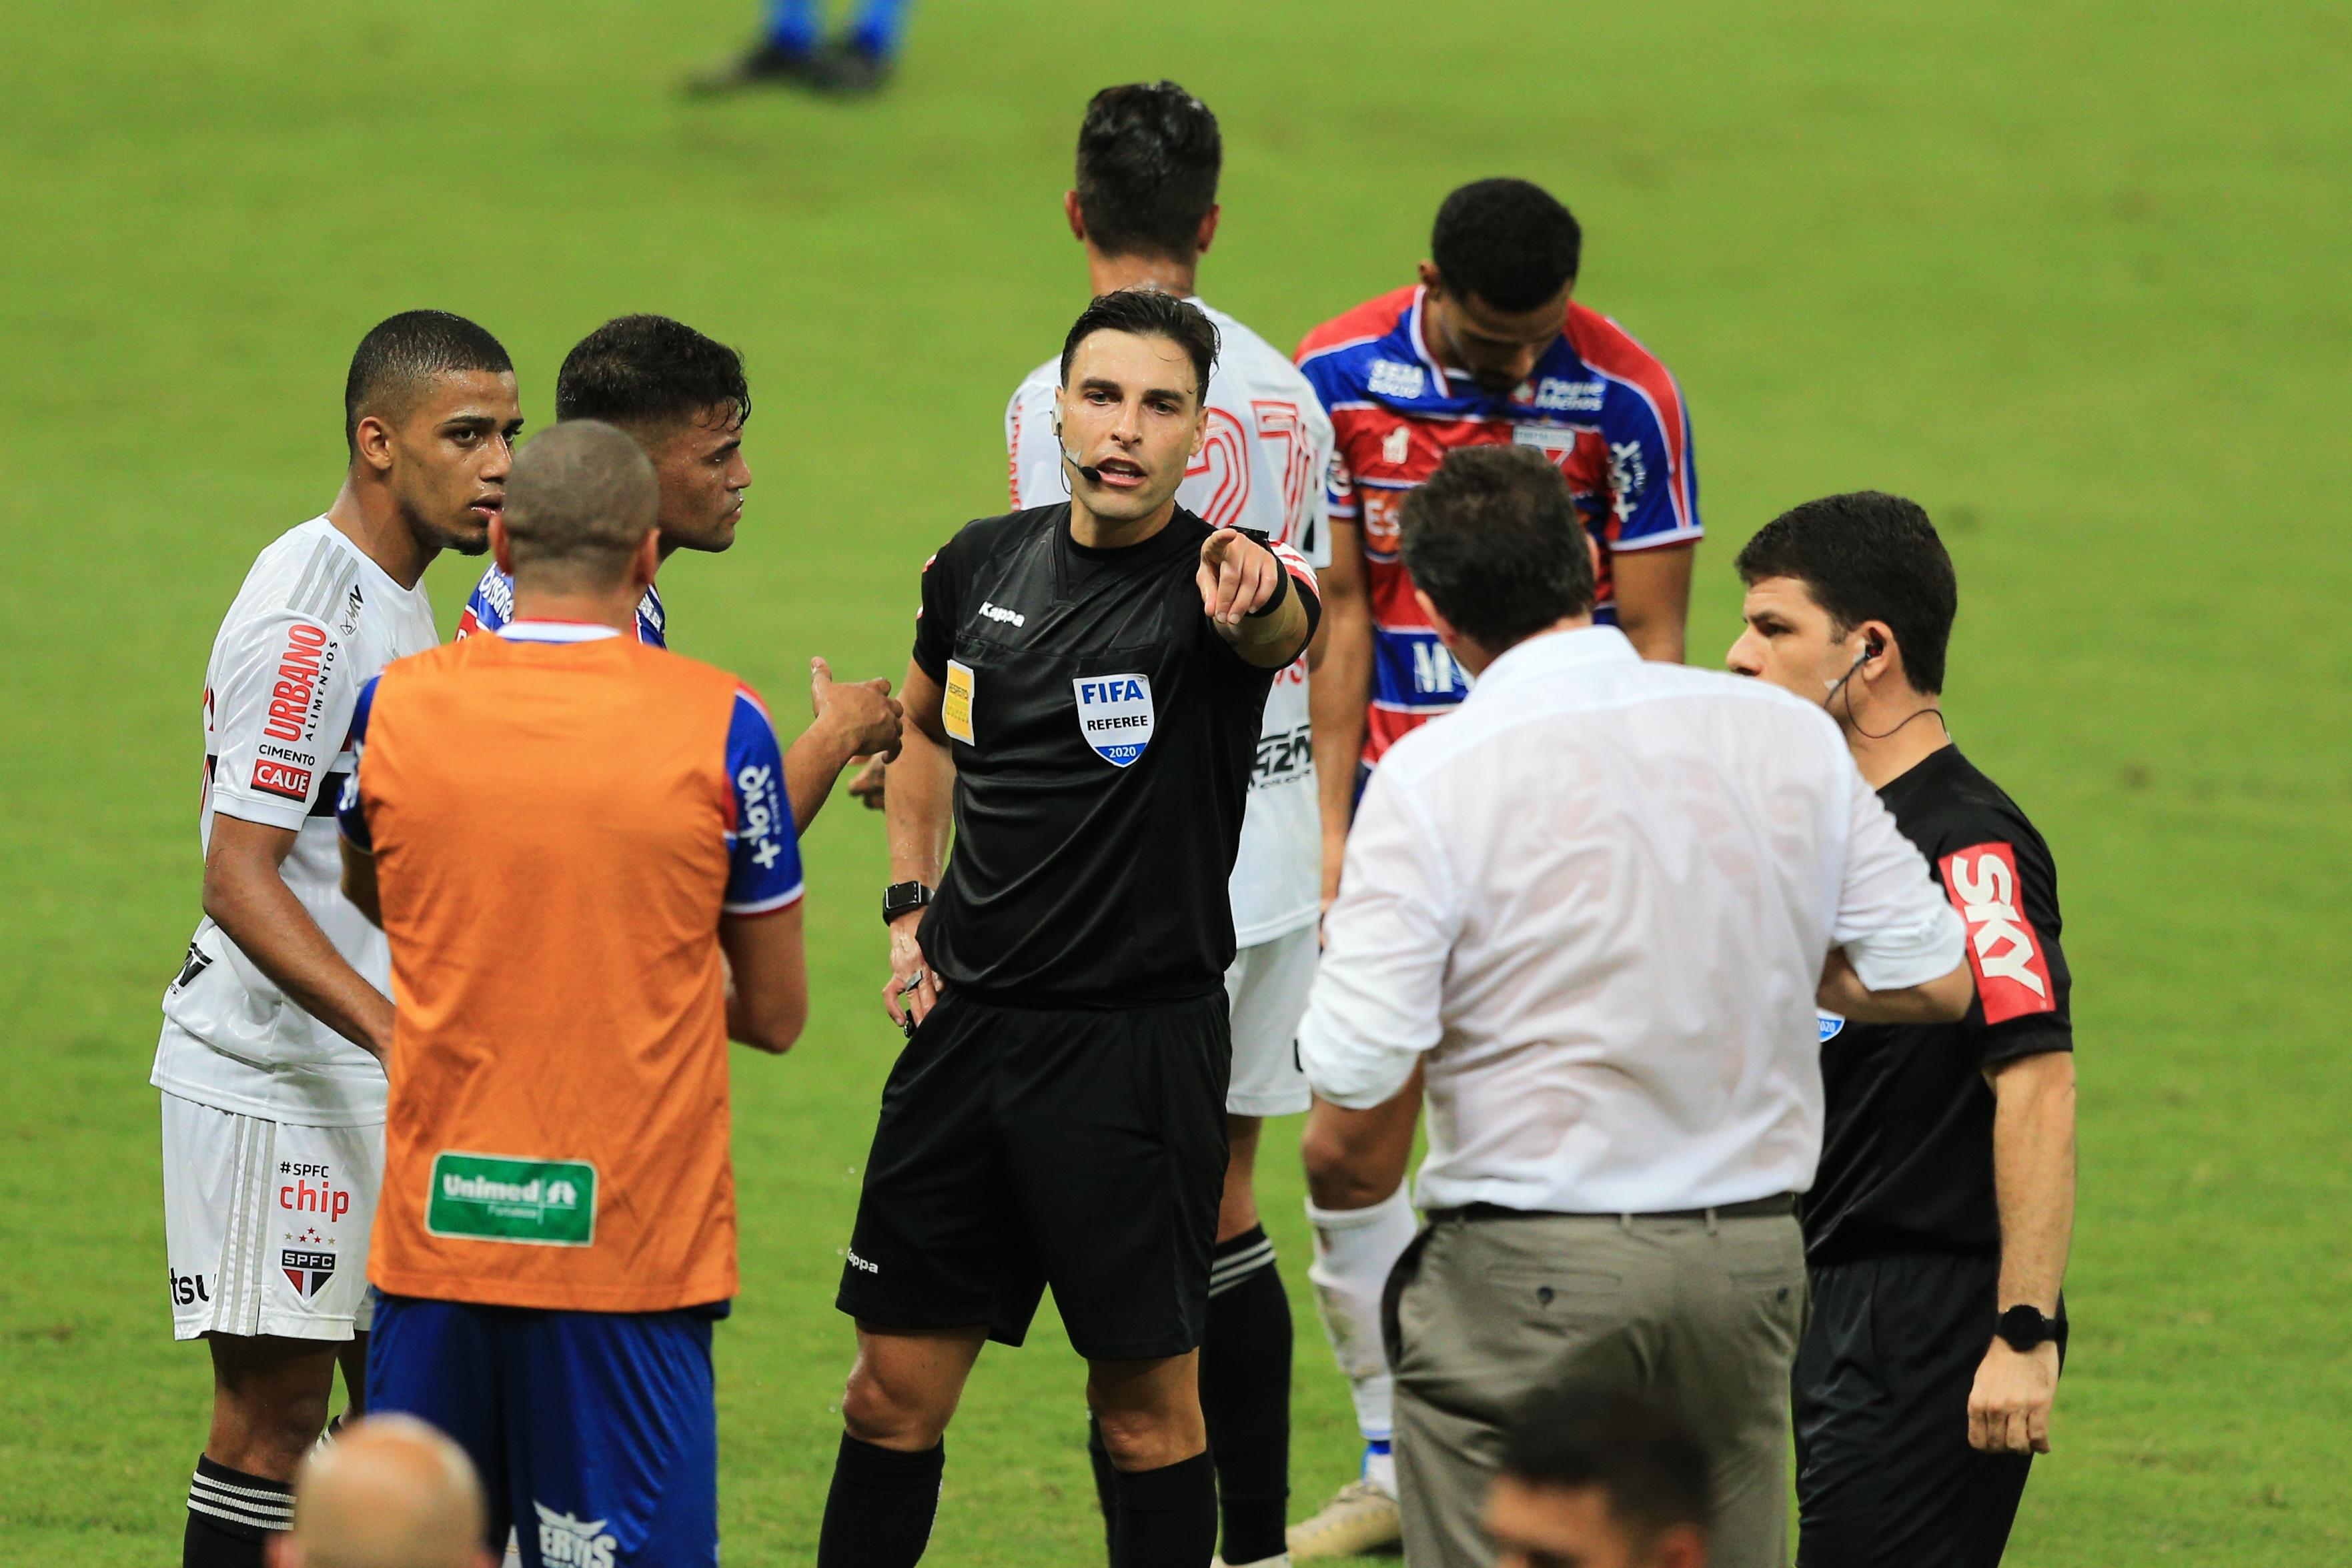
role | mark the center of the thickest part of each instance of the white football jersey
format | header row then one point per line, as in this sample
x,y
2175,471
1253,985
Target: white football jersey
x,y
1261,466
314,621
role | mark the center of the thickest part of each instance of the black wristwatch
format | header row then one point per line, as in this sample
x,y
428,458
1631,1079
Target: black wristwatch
x,y
900,897
2025,1328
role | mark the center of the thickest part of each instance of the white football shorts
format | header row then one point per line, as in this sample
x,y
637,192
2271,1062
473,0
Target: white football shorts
x,y
266,1223
1266,990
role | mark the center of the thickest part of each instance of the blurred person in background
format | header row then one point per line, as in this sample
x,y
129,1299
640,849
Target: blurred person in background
x,y
389,1493
792,51
1595,1477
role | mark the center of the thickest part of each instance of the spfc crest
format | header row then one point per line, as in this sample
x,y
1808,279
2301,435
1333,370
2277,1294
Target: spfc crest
x,y
308,1271
1115,715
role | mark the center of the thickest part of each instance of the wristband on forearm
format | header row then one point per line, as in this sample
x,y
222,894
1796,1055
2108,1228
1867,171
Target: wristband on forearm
x,y
1281,590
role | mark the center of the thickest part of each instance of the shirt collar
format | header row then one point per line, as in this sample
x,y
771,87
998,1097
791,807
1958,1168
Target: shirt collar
x,y
557,631
1553,652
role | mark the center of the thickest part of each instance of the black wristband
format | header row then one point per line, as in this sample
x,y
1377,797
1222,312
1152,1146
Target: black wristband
x,y
1281,590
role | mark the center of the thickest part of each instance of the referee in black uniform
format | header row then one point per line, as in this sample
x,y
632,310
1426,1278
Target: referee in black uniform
x,y
1087,686
1936,1229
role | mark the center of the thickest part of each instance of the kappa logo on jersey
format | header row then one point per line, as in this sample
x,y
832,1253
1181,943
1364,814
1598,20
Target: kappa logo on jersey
x,y
1115,715
1555,395
568,1541
2012,978
294,698
282,779
1390,379
998,612
1832,1025
310,1271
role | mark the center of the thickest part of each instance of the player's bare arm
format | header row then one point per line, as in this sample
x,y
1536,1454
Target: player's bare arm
x,y
1239,579
1942,1000
1337,695
767,984
248,899
1652,589
359,881
920,810
853,719
2033,1182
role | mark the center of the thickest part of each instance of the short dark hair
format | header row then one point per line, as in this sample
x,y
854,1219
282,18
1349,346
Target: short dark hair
x,y
1639,1454
1867,556
650,370
1508,242
1149,156
403,352
1149,313
1495,541
580,501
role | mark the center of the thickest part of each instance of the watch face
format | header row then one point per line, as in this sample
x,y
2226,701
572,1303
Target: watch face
x,y
2024,1327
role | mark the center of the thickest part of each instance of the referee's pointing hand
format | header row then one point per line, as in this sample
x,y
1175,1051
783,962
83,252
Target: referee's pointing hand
x,y
1237,575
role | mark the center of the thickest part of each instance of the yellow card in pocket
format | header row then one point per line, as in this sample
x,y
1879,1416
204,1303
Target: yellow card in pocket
x,y
955,713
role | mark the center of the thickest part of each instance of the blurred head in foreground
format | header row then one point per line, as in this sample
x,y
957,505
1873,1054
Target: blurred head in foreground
x,y
580,513
388,1492
1600,1478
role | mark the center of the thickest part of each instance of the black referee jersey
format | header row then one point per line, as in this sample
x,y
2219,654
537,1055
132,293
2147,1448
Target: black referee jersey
x,y
1902,1227
1102,736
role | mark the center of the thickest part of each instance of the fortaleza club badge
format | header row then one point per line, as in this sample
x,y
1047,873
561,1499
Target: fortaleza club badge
x,y
1115,715
491,1197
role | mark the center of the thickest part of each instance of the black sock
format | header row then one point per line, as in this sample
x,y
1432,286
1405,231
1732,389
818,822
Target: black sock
x,y
1106,1479
230,1514
1166,1516
1245,1395
879,1511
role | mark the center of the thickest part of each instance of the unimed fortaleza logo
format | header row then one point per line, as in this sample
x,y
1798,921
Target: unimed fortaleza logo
x,y
573,1543
1115,715
498,1198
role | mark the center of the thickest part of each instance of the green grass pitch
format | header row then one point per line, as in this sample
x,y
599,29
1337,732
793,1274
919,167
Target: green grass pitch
x,y
2073,274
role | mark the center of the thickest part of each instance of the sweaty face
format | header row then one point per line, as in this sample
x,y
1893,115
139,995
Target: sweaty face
x,y
1498,349
451,455
1130,406
1557,1526
1789,640
700,465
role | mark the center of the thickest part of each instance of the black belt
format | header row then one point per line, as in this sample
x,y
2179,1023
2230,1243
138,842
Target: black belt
x,y
1779,1203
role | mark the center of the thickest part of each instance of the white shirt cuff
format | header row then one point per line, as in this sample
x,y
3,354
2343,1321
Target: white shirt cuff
x,y
1892,961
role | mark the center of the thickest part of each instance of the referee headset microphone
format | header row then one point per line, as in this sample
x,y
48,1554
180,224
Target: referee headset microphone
x,y
1091,475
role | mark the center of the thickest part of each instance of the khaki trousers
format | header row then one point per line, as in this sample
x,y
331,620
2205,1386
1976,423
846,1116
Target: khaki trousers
x,y
1487,1313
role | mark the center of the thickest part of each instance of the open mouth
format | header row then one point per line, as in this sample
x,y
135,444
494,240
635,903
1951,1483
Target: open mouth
x,y
486,508
1119,473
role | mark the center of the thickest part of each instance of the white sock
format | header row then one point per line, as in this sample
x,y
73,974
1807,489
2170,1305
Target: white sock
x,y
1354,1250
1380,1469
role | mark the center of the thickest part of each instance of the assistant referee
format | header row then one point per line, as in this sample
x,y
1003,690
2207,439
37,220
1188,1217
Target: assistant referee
x,y
1087,688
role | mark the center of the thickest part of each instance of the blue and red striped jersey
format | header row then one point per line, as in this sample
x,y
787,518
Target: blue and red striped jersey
x,y
1597,403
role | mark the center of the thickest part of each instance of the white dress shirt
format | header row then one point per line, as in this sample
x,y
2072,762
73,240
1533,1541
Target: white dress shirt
x,y
1594,901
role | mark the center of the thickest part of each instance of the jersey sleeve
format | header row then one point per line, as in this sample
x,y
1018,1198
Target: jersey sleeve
x,y
936,621
351,812
1653,490
279,718
764,856
1340,502
490,606
1032,459
2005,887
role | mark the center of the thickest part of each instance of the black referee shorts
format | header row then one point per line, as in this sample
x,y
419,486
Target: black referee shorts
x,y
1022,1148
1884,1473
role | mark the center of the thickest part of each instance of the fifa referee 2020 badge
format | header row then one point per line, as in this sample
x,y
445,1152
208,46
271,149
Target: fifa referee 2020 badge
x,y
1084,707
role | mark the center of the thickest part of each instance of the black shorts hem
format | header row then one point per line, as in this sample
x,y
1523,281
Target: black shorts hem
x,y
1166,1349
895,1317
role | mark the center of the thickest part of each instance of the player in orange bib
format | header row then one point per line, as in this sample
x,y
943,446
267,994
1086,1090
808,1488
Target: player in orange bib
x,y
580,851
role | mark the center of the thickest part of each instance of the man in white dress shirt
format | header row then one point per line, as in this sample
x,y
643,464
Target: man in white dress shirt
x,y
1589,916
